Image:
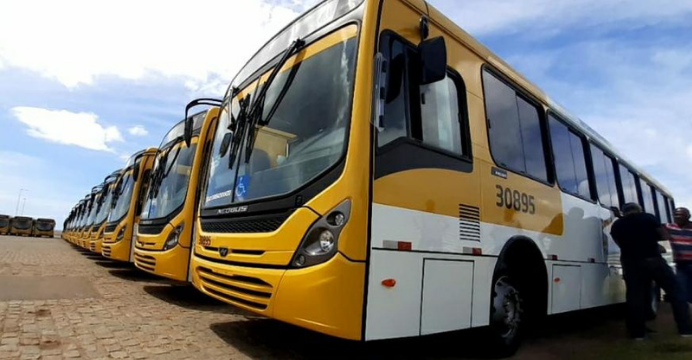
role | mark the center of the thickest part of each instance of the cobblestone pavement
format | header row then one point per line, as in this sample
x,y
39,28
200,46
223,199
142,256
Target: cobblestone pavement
x,y
58,302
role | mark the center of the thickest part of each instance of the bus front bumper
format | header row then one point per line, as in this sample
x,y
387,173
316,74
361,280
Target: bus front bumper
x,y
119,250
327,298
95,246
172,264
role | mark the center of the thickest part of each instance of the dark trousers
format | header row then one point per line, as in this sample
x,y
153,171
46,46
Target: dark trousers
x,y
639,275
684,270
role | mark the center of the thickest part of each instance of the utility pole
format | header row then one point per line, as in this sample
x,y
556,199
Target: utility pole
x,y
16,211
23,205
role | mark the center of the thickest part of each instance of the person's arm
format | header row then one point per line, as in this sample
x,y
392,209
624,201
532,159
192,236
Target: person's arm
x,y
663,233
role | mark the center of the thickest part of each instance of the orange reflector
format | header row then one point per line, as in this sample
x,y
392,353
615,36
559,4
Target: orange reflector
x,y
404,245
389,283
477,251
552,257
557,280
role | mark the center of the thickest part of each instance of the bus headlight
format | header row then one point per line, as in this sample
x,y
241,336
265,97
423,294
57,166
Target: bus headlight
x,y
321,240
174,237
121,233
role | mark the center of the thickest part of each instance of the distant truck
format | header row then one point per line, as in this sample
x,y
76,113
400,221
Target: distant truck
x,y
21,226
44,227
5,224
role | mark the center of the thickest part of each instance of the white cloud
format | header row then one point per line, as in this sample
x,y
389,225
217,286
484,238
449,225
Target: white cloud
x,y
138,130
65,127
554,16
75,41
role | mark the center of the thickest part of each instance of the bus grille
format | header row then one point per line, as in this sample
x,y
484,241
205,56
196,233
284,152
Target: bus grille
x,y
254,224
92,247
106,251
238,290
110,228
145,262
151,229
469,223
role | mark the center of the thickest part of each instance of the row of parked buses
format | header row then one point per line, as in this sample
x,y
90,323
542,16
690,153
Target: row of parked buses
x,y
26,226
374,172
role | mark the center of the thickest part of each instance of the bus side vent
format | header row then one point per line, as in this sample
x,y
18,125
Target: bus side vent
x,y
469,223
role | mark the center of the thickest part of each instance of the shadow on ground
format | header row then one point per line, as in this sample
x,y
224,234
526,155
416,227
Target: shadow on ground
x,y
133,274
186,296
264,338
113,264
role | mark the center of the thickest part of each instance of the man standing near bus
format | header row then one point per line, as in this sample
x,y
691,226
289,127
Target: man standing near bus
x,y
638,234
680,235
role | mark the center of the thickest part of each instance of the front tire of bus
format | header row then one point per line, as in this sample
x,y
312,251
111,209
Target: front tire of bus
x,y
506,316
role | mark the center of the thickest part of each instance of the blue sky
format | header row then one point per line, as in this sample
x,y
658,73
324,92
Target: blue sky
x,y
84,85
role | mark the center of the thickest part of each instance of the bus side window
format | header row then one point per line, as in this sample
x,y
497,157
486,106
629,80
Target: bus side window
x,y
570,164
515,129
396,122
601,176
432,114
647,197
628,186
660,206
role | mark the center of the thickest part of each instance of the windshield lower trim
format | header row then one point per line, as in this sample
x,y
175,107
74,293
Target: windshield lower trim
x,y
285,202
162,220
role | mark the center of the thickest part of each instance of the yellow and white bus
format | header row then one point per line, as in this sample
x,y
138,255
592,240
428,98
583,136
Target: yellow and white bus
x,y
417,185
165,229
127,206
44,227
103,208
5,224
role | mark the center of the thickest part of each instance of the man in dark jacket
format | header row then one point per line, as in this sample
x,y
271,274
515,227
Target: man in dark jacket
x,y
638,234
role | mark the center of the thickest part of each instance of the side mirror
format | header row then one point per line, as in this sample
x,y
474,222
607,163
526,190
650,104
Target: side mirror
x,y
616,211
433,60
135,172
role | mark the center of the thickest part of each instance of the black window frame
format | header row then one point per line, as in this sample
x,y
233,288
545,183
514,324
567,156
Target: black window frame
x,y
542,119
414,126
645,183
621,190
613,162
588,160
658,193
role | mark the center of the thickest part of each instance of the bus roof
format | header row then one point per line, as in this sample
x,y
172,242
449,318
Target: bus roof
x,y
481,50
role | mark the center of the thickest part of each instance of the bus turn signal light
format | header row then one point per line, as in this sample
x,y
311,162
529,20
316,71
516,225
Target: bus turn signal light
x,y
390,283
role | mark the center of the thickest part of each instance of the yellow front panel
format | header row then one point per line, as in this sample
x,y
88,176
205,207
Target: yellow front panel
x,y
327,298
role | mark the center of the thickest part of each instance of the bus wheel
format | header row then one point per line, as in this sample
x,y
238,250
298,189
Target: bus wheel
x,y
506,316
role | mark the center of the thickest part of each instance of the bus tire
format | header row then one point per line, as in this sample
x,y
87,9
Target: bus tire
x,y
506,315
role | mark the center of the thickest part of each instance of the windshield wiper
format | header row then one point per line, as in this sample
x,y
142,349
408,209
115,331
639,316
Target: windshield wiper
x,y
257,109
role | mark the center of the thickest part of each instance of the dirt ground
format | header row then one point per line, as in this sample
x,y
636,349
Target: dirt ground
x,y
58,302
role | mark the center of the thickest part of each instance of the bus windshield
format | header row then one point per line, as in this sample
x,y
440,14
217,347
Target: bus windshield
x,y
104,206
122,204
45,225
4,222
306,128
22,223
92,211
170,177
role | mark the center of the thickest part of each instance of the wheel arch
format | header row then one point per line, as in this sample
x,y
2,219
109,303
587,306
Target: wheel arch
x,y
520,255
